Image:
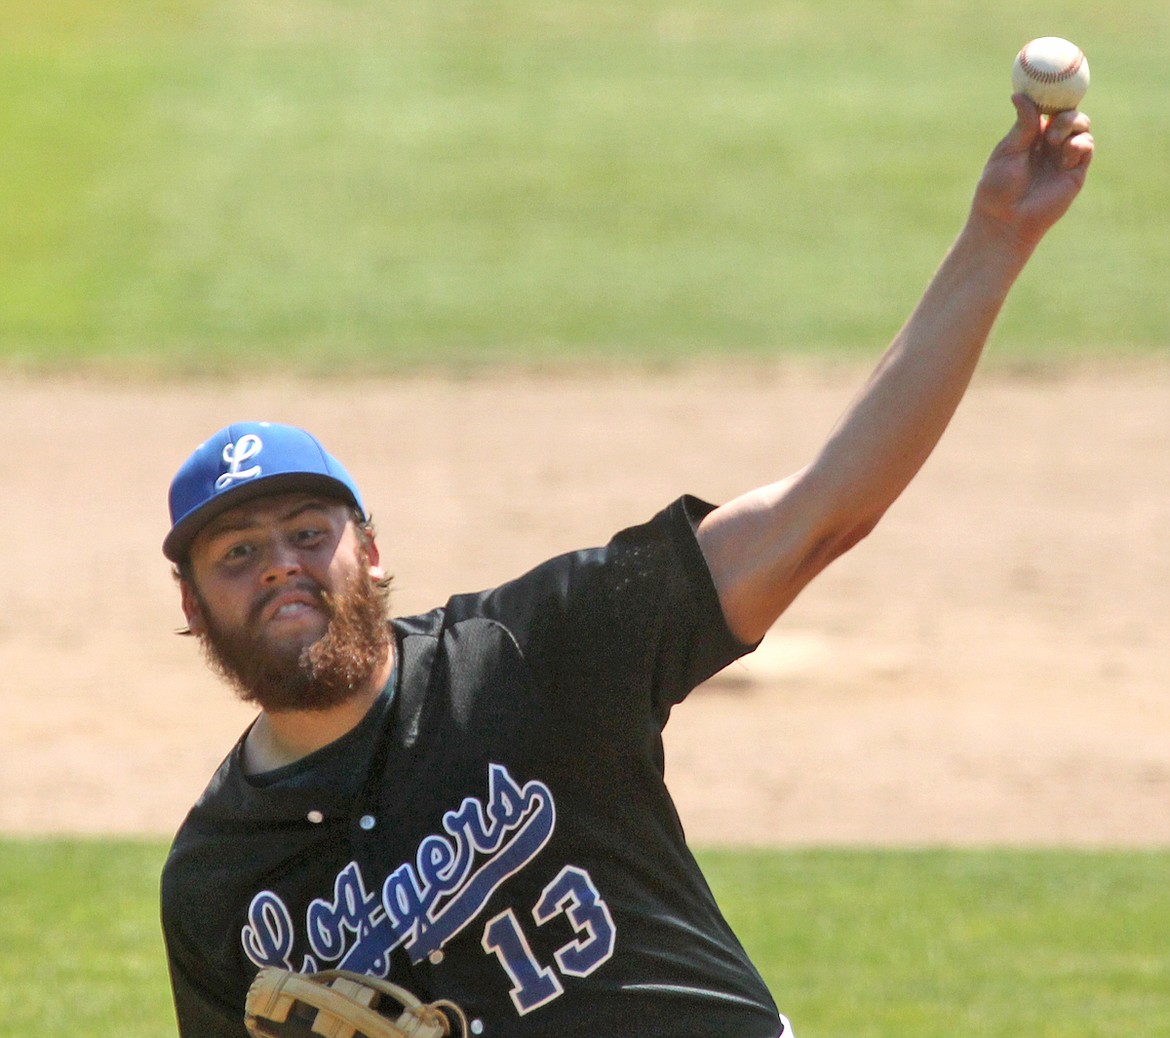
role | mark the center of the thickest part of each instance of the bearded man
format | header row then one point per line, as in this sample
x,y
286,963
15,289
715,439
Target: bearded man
x,y
471,803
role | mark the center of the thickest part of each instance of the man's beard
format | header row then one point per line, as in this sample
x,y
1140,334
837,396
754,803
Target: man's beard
x,y
326,673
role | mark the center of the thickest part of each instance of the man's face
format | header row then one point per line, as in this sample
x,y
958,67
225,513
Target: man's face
x,y
281,594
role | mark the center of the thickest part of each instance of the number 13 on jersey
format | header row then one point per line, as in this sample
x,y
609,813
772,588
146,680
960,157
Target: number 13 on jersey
x,y
573,894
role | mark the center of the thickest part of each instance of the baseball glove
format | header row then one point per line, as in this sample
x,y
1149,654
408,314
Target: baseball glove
x,y
340,1004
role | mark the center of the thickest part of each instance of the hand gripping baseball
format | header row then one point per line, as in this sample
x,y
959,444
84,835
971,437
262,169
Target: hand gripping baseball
x,y
340,1004
1035,172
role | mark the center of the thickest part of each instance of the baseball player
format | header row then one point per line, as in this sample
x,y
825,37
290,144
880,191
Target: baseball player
x,y
470,803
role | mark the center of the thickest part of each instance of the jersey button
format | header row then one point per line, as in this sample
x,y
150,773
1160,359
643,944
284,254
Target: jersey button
x,y
367,822
316,817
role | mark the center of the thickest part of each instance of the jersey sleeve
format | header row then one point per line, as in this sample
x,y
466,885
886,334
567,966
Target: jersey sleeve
x,y
636,623
201,1010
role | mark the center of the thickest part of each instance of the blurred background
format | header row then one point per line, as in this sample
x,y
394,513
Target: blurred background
x,y
340,185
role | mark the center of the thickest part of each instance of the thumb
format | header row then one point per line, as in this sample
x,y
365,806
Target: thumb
x,y
1027,128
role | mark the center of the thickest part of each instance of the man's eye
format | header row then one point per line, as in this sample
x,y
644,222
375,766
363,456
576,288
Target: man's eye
x,y
237,552
309,536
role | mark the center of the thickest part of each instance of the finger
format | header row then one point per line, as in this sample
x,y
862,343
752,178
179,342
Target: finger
x,y
1077,151
1028,126
1026,132
1065,125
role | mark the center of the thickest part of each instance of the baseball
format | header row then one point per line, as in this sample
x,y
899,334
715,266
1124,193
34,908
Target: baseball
x,y
1052,72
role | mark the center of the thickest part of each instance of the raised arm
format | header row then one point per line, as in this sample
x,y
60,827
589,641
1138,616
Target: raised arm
x,y
765,546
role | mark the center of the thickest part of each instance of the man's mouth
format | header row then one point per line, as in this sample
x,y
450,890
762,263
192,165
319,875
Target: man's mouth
x,y
291,609
288,605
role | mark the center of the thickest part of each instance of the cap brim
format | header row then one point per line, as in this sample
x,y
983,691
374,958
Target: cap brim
x,y
178,541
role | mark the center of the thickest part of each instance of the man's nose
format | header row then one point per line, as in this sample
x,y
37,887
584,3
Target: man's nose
x,y
282,562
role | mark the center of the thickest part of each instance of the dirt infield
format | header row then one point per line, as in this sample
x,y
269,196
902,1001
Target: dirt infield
x,y
991,666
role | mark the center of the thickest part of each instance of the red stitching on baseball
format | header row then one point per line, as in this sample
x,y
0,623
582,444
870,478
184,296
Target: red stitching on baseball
x,y
1040,76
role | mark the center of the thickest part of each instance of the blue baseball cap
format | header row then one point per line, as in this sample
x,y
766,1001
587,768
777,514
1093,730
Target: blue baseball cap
x,y
247,460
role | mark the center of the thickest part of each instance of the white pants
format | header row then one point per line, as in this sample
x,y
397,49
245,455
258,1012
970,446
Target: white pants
x,y
787,1027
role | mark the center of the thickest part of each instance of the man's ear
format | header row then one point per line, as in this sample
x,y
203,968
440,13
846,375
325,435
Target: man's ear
x,y
374,558
192,610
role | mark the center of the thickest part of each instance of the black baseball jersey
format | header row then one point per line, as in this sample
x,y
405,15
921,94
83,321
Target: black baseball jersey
x,y
497,830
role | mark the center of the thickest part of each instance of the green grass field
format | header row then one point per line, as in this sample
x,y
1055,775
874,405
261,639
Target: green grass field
x,y
854,944
341,185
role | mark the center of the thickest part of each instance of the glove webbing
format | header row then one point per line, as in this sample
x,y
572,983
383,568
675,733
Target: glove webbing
x,y
345,1007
